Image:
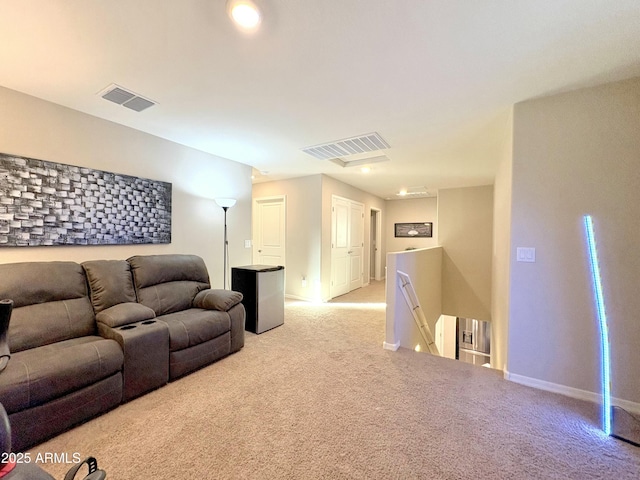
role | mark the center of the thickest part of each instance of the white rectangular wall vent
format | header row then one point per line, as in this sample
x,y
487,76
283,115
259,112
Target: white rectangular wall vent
x,y
126,98
370,142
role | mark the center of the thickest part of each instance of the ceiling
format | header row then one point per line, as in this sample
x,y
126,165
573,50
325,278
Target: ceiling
x,y
436,79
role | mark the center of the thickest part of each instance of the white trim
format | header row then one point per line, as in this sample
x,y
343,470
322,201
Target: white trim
x,y
391,346
377,273
631,407
553,387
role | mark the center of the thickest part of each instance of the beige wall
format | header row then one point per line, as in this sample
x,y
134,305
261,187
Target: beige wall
x,y
501,257
303,232
38,129
331,186
576,153
411,210
465,232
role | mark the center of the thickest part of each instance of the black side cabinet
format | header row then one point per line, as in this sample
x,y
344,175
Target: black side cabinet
x,y
263,289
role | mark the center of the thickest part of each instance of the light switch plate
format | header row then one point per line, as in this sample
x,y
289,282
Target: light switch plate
x,y
247,244
526,254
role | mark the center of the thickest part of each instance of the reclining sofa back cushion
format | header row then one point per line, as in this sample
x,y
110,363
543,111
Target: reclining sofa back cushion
x,y
110,283
168,283
50,301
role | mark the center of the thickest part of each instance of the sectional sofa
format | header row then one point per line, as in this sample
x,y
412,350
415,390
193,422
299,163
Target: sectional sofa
x,y
86,337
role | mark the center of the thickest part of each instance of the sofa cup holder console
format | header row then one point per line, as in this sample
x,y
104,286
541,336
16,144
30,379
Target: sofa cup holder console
x,y
132,326
146,349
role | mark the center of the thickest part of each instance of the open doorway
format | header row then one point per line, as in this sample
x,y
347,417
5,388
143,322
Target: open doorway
x,y
375,245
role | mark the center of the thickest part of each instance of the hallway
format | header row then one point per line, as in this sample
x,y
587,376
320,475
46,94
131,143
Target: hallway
x,y
372,293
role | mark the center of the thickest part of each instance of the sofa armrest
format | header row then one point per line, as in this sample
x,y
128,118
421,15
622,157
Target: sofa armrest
x,y
124,313
214,299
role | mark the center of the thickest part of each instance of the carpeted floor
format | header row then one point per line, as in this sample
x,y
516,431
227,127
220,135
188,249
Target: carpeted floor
x,y
318,397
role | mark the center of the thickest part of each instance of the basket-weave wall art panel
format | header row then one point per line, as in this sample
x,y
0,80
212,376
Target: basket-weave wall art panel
x,y
46,203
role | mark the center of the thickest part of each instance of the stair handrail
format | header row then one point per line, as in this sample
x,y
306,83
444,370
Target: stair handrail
x,y
409,294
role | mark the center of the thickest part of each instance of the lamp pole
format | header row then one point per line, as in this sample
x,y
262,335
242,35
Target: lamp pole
x,y
226,250
226,204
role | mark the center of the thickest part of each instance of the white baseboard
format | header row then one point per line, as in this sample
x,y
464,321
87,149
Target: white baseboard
x,y
391,346
629,406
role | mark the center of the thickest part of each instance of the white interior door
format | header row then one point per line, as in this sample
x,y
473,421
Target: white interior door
x,y
269,231
347,245
340,264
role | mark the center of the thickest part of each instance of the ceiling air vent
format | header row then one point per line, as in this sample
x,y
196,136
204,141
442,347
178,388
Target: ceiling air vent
x,y
126,98
371,142
414,192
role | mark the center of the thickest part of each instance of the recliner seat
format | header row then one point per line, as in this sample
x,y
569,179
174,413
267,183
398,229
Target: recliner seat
x,y
204,324
60,372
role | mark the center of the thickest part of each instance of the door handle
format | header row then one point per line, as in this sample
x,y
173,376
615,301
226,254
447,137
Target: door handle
x,y
259,251
350,252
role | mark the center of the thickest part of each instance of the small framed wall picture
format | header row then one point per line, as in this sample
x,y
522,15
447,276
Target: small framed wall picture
x,y
414,230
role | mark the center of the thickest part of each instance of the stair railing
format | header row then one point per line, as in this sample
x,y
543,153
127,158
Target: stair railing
x,y
409,294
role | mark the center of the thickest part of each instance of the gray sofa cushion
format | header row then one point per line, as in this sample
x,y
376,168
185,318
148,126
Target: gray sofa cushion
x,y
168,283
169,297
194,326
124,314
41,324
42,374
51,303
187,360
40,282
110,283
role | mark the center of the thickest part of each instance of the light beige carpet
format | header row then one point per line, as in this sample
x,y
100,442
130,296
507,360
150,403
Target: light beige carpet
x,y
319,398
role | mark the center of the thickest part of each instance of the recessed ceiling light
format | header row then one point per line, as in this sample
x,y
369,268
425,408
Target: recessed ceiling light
x,y
245,14
414,192
365,169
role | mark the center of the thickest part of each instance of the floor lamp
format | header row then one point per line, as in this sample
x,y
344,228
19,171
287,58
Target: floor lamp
x,y
226,204
616,421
